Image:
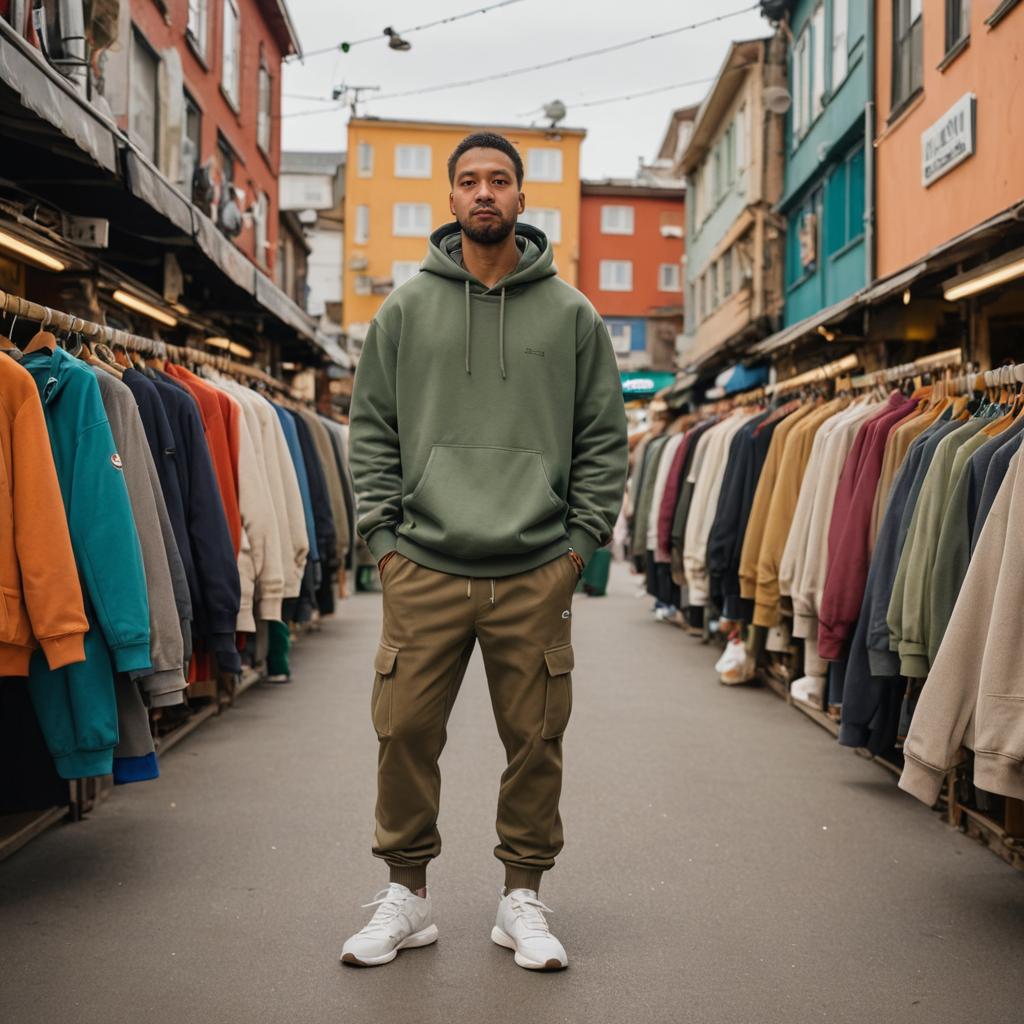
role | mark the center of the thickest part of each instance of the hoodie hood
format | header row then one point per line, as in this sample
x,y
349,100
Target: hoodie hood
x,y
536,262
51,370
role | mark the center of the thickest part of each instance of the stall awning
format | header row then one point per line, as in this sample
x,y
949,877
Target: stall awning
x,y
271,297
637,384
48,96
145,182
808,325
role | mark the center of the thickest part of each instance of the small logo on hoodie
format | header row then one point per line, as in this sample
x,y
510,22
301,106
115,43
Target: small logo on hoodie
x,y
115,461
534,352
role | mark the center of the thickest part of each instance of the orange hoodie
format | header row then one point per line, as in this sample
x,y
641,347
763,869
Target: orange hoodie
x,y
40,595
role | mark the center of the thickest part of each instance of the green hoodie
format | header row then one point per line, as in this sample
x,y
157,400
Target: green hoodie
x,y
488,434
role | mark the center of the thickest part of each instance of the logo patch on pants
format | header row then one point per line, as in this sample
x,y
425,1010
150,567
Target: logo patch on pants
x,y
566,614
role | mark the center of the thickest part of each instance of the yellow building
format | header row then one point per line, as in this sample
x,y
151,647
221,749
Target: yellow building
x,y
396,194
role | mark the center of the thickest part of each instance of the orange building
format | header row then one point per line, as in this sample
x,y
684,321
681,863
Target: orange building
x,y
631,267
396,194
949,149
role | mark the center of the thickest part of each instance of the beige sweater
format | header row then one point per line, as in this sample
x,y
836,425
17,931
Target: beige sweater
x,y
808,585
974,694
708,484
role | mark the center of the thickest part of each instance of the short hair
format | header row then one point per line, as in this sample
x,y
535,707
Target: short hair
x,y
486,140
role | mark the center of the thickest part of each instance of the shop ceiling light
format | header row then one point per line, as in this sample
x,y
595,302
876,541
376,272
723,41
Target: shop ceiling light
x,y
219,342
141,306
30,252
988,275
239,350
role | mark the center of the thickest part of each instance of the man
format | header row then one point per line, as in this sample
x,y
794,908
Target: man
x,y
488,448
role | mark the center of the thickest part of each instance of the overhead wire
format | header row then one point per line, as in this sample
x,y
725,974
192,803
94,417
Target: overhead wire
x,y
585,55
624,96
338,47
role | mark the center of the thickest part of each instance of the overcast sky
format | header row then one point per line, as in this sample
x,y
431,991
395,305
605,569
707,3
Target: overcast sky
x,y
524,33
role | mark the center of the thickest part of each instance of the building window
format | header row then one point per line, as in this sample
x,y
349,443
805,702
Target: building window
x,y
668,277
263,112
362,233
364,160
818,93
622,338
230,69
544,164
616,275
261,215
412,220
907,57
840,47
958,22
402,271
741,138
616,220
412,161
730,154
548,221
727,272
142,102
195,27
190,143
713,274
801,82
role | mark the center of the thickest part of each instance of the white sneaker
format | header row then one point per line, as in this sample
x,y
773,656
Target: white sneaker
x,y
402,920
521,926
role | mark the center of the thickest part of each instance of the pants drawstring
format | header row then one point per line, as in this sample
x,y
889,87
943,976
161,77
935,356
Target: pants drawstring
x,y
492,591
469,588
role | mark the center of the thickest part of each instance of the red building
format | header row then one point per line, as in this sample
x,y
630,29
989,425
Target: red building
x,y
631,267
196,84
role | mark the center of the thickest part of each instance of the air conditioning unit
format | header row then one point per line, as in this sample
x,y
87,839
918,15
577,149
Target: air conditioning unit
x,y
672,231
358,263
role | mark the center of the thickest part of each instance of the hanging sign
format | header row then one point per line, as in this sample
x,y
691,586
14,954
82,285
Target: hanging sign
x,y
949,141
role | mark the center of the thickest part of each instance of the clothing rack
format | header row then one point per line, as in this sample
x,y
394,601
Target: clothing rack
x,y
820,373
937,361
45,316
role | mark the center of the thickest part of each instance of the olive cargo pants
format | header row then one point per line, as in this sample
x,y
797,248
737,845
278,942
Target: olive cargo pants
x,y
431,623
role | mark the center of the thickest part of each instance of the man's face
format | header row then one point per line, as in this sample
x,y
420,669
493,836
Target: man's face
x,y
485,197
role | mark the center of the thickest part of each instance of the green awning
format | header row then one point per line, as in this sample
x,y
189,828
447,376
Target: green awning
x,y
644,385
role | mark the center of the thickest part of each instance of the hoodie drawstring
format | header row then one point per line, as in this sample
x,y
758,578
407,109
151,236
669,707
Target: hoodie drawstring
x,y
468,370
501,363
501,333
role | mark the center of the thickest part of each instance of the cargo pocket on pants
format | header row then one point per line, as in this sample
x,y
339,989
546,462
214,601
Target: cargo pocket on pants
x,y
558,699
383,685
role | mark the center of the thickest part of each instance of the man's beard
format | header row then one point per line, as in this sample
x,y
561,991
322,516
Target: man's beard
x,y
490,232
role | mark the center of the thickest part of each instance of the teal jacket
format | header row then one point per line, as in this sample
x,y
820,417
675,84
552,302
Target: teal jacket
x,y
488,433
76,704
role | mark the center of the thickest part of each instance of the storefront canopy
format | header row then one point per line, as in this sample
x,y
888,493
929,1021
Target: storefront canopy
x,y
644,385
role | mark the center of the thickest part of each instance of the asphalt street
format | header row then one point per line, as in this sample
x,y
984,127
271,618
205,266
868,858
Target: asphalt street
x,y
724,862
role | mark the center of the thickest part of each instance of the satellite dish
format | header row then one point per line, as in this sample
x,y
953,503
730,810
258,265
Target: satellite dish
x,y
556,111
777,99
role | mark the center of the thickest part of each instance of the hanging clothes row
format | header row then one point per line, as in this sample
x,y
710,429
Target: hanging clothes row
x,y
154,511
877,529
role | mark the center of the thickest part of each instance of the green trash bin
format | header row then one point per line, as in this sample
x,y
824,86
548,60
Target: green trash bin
x,y
594,581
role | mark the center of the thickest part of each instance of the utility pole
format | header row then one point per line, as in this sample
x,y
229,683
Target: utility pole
x,y
352,94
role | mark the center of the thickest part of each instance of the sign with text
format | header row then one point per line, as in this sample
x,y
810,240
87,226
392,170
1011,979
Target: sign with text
x,y
949,141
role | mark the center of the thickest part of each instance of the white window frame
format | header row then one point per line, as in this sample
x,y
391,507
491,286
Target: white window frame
x,y
411,220
412,161
818,89
741,139
361,234
548,220
196,25
801,82
616,275
621,335
364,159
144,109
670,277
264,105
402,271
840,45
231,54
544,164
617,219
261,227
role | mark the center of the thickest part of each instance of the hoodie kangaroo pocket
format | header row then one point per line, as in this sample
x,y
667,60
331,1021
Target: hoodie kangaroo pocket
x,y
478,501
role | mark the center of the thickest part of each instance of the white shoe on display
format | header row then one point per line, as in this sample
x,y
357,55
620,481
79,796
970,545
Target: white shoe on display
x,y
809,690
402,920
521,926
